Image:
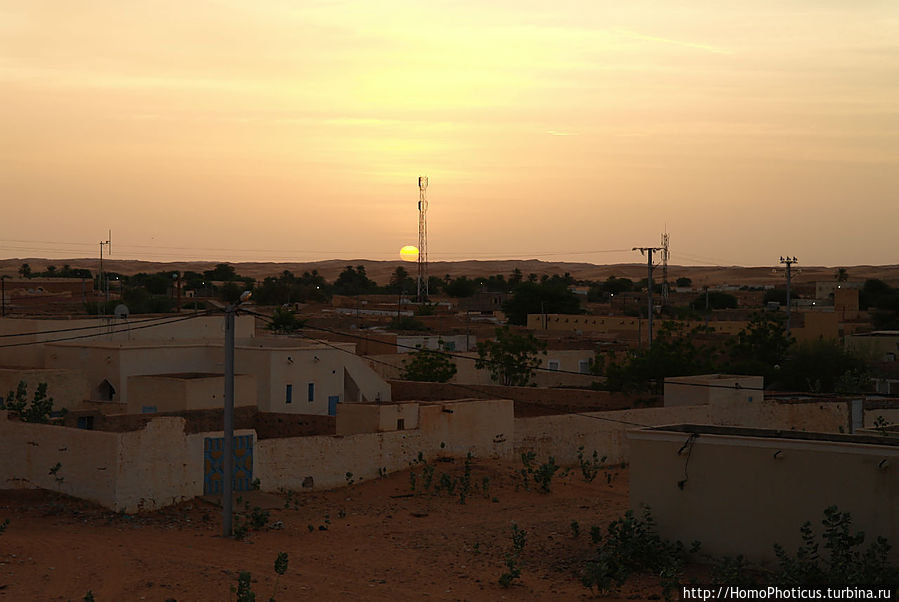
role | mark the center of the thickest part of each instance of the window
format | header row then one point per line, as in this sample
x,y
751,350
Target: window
x,y
148,409
583,366
400,424
86,422
288,398
449,345
553,364
311,394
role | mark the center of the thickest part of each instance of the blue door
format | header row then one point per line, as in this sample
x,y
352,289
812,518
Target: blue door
x,y
333,400
214,464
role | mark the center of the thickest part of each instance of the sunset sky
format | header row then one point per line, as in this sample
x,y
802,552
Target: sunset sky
x,y
296,130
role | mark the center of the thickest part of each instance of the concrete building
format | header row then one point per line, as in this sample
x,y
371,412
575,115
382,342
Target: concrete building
x,y
741,490
707,389
826,289
288,375
879,345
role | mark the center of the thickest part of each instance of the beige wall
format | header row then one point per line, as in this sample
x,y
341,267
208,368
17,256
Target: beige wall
x,y
89,460
276,367
68,388
138,470
560,436
34,356
741,499
818,325
620,326
875,347
116,362
708,388
482,427
173,392
354,418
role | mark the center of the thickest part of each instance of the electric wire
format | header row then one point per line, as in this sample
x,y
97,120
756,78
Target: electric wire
x,y
127,328
40,332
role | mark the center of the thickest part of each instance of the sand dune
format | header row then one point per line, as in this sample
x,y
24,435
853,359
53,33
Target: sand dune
x,y
380,270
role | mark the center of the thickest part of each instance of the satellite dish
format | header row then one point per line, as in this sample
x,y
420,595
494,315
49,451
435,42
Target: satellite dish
x,y
122,311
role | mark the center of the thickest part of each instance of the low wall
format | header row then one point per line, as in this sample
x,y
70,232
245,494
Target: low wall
x,y
604,432
550,401
560,436
88,460
266,424
744,492
161,463
483,428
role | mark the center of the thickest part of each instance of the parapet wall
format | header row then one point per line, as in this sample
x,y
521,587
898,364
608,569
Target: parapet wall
x,y
560,436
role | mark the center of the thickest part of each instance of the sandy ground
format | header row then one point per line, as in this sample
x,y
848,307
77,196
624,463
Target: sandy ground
x,y
381,543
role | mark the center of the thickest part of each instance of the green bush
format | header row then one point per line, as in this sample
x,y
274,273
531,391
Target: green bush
x,y
843,561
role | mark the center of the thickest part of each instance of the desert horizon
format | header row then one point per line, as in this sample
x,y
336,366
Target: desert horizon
x,y
380,271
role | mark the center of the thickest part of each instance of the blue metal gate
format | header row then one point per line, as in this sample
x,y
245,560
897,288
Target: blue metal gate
x,y
333,400
214,464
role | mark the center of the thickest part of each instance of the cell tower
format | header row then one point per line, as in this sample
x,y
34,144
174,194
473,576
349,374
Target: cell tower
x,y
665,268
422,239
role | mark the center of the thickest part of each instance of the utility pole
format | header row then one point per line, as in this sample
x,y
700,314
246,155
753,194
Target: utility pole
x,y
228,460
108,243
788,261
648,251
228,426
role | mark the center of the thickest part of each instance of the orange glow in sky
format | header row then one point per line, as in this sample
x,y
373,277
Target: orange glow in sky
x,y
286,131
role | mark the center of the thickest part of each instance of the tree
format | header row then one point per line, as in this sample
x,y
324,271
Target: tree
x,y
426,365
841,275
551,296
761,347
285,321
461,287
25,271
401,282
511,358
683,282
673,353
354,281
222,272
716,300
823,367
41,406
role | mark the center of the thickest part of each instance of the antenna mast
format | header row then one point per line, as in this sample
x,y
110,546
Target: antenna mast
x,y
665,268
422,239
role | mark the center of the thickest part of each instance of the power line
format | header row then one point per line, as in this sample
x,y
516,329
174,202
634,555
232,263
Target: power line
x,y
99,334
39,332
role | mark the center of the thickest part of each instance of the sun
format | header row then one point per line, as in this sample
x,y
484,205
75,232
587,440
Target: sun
x,y
409,253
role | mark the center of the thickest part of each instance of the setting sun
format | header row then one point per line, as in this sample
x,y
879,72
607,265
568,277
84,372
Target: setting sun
x,y
409,253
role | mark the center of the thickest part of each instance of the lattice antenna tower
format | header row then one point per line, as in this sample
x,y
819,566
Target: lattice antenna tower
x,y
665,268
422,239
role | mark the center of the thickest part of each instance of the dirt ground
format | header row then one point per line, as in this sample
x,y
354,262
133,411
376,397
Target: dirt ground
x,y
374,540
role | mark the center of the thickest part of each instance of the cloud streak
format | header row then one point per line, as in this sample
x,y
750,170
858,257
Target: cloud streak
x,y
626,33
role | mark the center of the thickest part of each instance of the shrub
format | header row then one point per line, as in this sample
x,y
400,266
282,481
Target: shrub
x,y
845,561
